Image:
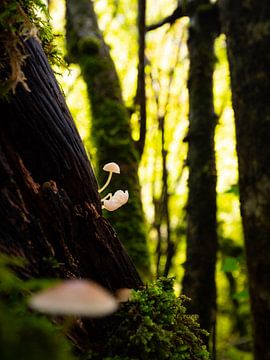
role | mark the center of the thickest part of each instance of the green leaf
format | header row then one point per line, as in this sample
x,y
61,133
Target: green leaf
x,y
241,295
233,189
230,264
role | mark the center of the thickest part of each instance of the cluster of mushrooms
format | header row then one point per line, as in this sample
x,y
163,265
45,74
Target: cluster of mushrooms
x,y
112,202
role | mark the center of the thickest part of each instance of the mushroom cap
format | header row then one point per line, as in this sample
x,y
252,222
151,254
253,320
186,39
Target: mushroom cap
x,y
119,198
112,167
75,297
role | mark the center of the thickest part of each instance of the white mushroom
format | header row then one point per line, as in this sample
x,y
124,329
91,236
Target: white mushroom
x,y
114,202
111,167
75,297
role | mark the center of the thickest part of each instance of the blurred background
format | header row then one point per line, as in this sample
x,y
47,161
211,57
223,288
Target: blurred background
x,y
162,163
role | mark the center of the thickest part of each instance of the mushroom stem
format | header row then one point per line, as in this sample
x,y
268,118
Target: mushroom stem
x,y
68,323
106,183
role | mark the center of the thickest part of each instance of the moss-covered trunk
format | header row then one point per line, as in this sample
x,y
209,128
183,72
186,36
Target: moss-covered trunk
x,y
110,123
199,277
246,24
49,205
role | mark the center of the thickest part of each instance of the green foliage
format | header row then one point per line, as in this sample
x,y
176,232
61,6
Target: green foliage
x,y
230,264
19,21
233,189
153,325
24,335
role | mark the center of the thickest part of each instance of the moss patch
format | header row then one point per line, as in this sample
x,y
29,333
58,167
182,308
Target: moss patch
x,y
19,21
152,325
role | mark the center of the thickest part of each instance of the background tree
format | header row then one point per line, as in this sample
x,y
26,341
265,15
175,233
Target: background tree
x,y
199,277
246,25
110,123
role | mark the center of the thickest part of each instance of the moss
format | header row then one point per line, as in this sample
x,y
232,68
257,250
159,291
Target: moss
x,y
89,45
152,325
112,134
98,73
19,21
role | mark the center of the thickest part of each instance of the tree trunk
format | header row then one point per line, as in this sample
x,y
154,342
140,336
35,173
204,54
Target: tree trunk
x,y
247,27
110,123
49,205
141,95
199,277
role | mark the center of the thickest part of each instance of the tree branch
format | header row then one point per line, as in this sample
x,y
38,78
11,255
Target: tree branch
x,y
207,15
177,14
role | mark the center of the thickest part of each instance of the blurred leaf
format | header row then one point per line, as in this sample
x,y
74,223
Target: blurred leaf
x,y
233,189
241,295
230,264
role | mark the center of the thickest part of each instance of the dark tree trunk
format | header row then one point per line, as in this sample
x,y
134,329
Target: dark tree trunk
x,y
141,96
49,205
110,123
199,278
246,24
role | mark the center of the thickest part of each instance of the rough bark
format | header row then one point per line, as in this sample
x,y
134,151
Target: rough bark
x,y
247,27
199,277
110,123
49,205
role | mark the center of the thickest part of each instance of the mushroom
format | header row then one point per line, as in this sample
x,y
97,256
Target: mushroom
x,y
111,167
113,202
75,297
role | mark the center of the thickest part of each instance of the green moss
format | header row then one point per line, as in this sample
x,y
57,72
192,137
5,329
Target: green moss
x,y
112,135
19,21
152,325
89,45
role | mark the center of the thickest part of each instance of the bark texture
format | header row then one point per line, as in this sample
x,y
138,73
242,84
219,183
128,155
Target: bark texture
x,y
199,277
110,123
49,205
246,24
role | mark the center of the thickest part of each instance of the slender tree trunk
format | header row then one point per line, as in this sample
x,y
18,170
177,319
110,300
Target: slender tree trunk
x,y
110,123
247,28
199,278
141,96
